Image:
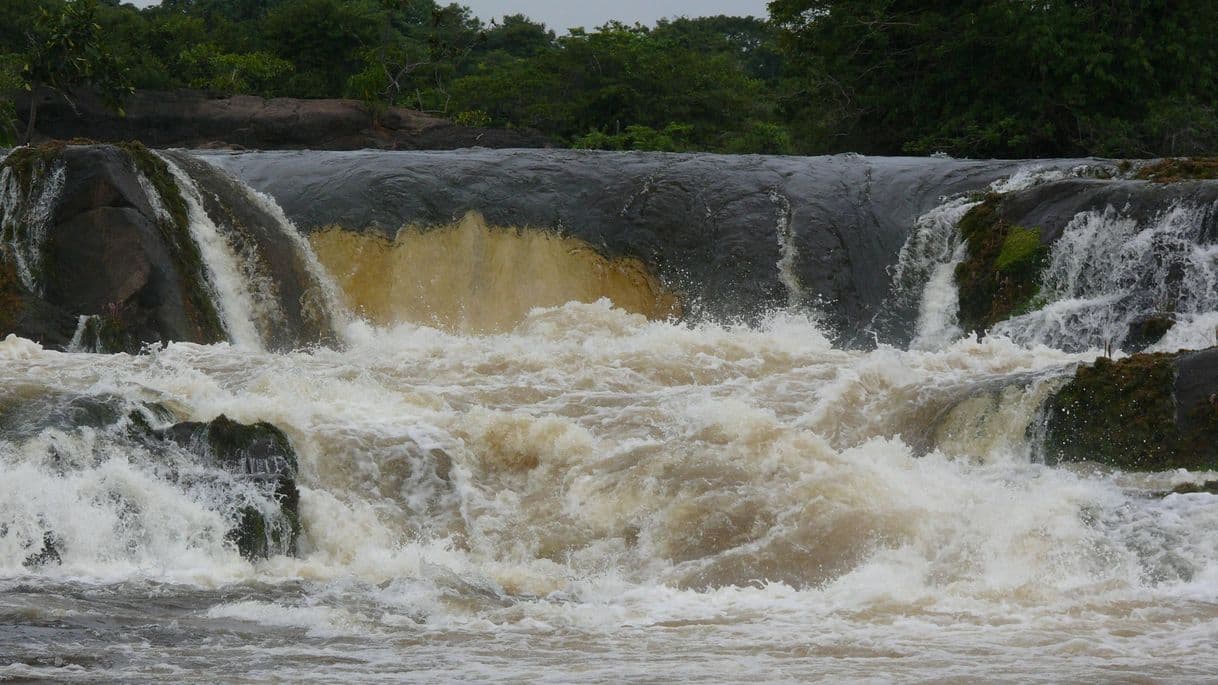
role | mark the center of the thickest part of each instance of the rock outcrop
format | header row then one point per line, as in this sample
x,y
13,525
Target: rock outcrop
x,y
736,236
1130,240
84,236
105,248
1146,412
258,453
195,119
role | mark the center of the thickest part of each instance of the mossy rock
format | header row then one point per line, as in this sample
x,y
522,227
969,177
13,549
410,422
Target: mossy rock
x,y
1000,276
1132,415
1180,169
26,162
261,452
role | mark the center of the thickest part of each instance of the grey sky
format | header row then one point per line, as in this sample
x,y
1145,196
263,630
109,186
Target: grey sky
x,y
561,15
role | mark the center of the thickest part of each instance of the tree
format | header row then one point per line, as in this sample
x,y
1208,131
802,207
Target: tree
x,y
323,39
66,51
10,84
997,78
230,73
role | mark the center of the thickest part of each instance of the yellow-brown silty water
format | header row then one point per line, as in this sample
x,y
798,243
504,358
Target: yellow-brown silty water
x,y
473,277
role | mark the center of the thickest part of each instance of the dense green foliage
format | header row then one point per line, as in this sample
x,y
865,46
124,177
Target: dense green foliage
x,y
1014,78
64,49
992,78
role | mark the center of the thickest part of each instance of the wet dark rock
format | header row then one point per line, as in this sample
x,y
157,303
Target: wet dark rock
x,y
1147,330
1209,487
258,235
259,452
199,120
23,415
107,254
1146,412
712,227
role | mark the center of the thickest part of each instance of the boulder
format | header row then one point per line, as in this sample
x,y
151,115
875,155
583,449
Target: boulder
x,y
259,452
1146,412
94,245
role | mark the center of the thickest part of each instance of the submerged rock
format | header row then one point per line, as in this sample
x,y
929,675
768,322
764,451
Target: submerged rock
x,y
248,475
1147,412
258,452
1147,330
1209,487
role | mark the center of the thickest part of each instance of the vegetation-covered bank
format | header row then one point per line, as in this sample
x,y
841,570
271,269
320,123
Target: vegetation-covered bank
x,y
990,78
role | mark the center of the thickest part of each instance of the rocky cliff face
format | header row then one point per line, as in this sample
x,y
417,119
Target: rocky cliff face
x,y
195,119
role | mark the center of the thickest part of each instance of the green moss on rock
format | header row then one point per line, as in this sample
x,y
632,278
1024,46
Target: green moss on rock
x,y
1180,169
27,163
1000,277
1125,414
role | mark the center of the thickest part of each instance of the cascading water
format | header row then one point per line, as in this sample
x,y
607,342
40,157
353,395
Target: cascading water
x,y
1108,269
26,206
789,250
233,291
587,494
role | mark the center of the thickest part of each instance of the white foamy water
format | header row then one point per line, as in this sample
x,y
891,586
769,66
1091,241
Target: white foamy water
x,y
1109,268
24,218
594,497
230,283
324,293
788,249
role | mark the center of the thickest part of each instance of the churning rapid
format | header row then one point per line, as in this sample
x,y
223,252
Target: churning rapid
x,y
603,418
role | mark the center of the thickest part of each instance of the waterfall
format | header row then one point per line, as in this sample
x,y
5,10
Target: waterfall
x,y
1109,268
26,208
230,286
524,457
924,275
324,292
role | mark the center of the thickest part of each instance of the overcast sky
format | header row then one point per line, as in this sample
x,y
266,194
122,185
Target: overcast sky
x,y
561,15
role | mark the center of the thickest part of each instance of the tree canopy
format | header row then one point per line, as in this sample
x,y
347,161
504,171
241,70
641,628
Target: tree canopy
x,y
988,78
